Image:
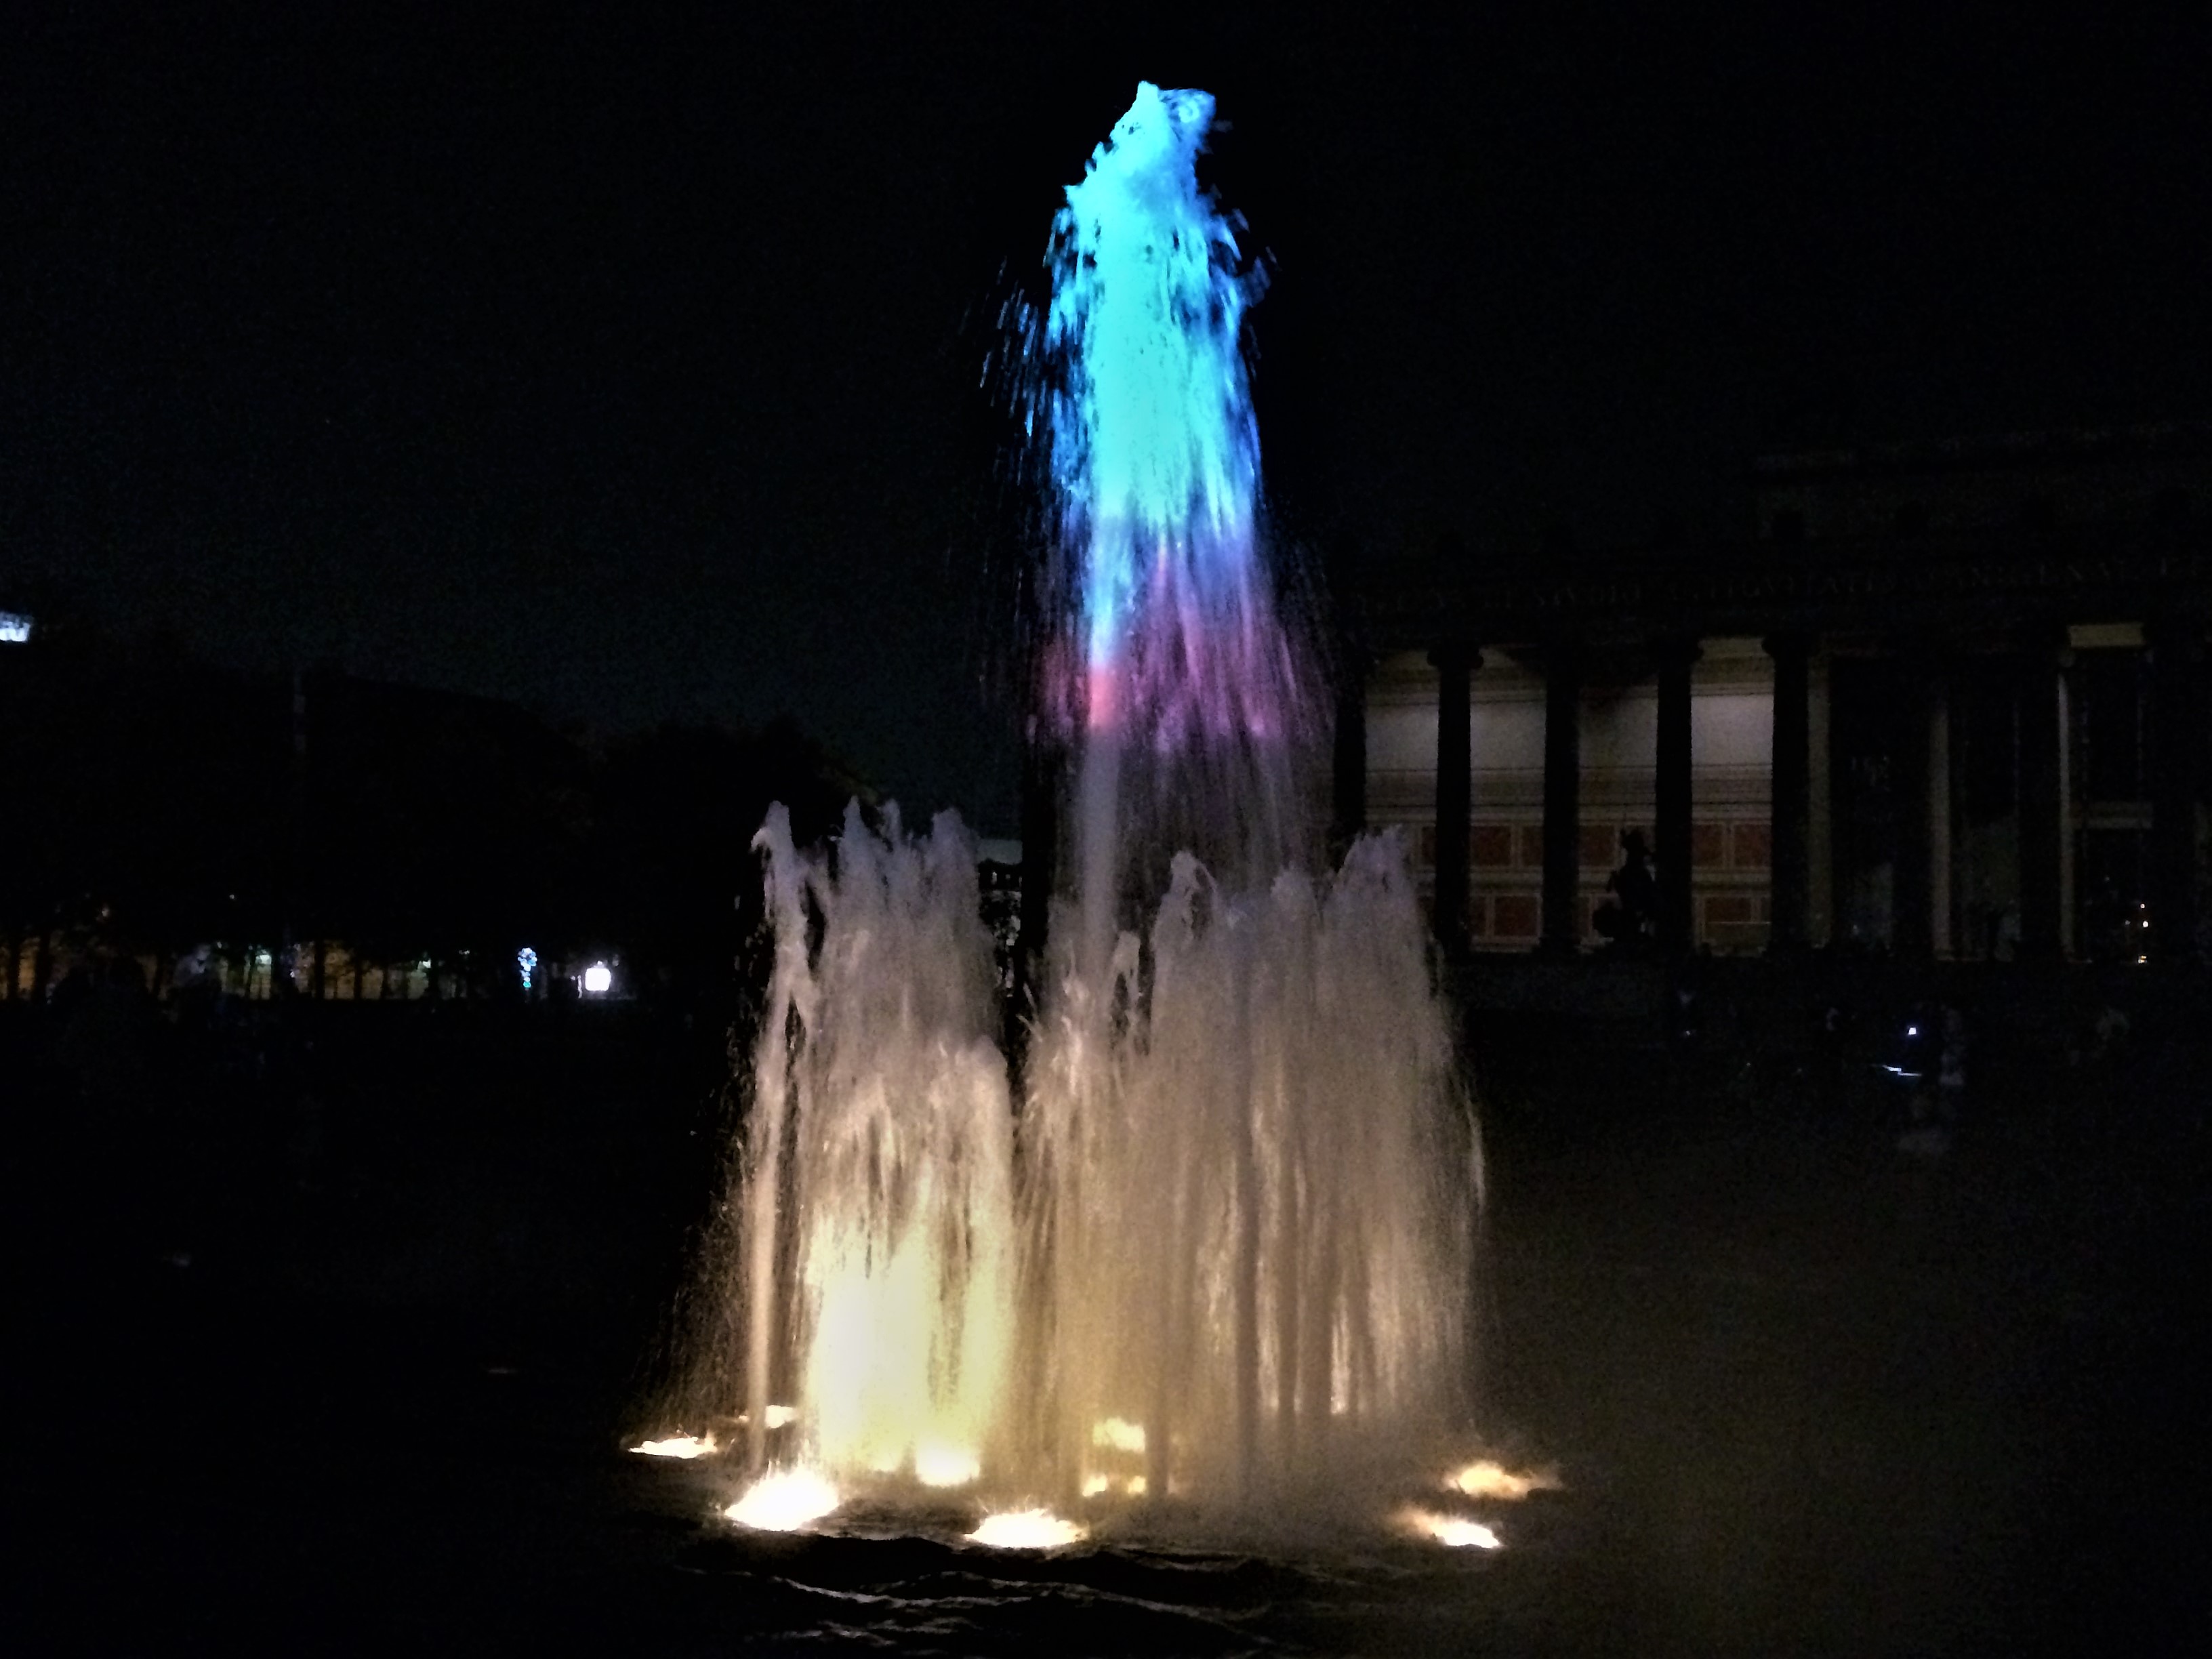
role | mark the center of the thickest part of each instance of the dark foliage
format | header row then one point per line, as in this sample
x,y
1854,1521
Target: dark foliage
x,y
153,804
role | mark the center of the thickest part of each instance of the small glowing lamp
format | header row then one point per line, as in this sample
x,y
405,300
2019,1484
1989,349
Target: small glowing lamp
x,y
784,1501
1026,1529
1486,1479
678,1445
1453,1531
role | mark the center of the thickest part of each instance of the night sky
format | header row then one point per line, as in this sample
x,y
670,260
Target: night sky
x,y
625,361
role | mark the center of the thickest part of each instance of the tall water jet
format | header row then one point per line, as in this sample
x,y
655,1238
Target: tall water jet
x,y
876,1195
1253,1197
1220,1248
1232,1203
1155,467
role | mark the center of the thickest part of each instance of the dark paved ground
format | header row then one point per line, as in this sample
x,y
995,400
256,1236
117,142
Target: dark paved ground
x,y
1810,1396
1828,1397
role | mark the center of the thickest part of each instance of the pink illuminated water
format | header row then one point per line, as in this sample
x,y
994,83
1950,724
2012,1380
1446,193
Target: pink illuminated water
x,y
1220,1251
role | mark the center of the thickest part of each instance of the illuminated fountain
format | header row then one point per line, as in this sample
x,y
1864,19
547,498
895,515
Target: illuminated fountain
x,y
1218,1254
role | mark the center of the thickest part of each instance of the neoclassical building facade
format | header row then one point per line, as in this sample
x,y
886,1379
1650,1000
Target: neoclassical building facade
x,y
1949,701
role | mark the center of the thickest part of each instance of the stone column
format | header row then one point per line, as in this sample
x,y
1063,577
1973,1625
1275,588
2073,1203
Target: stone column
x,y
2042,805
1790,801
2178,711
1672,803
1455,664
1941,846
1821,911
1912,884
1563,760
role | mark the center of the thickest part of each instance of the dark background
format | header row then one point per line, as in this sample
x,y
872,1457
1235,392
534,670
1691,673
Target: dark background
x,y
624,361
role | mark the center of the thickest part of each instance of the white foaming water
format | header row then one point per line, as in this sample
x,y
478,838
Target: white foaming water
x,y
1225,1254
1220,1252
877,1179
1253,1197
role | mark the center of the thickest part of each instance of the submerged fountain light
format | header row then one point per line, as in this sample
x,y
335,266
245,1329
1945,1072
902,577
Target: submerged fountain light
x,y
1453,1531
1027,1529
784,1501
678,1445
1487,1478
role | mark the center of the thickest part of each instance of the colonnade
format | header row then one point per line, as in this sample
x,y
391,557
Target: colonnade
x,y
1920,893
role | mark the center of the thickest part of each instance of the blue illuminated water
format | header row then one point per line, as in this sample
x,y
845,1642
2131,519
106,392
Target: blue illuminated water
x,y
1215,1259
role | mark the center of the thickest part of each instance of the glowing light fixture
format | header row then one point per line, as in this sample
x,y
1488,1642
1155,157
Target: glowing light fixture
x,y
1485,1479
784,1501
678,1445
1027,1529
1453,1531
